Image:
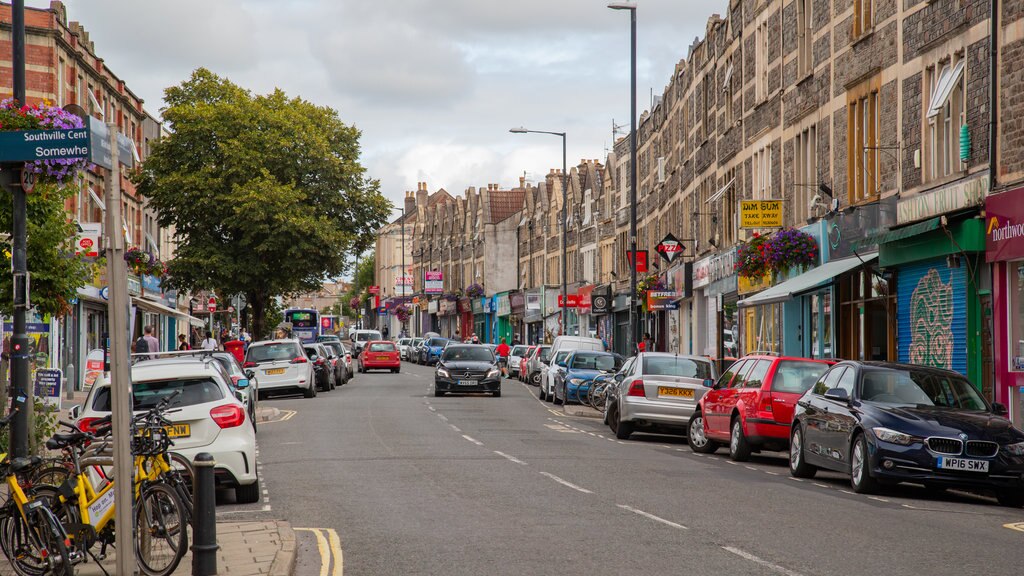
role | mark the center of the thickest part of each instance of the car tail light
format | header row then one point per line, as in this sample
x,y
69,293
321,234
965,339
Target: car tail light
x,y
348,358
86,425
319,361
636,388
300,360
235,379
764,405
249,364
228,415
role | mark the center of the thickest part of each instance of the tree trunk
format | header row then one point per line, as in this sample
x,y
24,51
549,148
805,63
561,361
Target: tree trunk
x,y
258,303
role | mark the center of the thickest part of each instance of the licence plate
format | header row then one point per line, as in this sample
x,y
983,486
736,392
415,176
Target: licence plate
x,y
467,382
383,358
965,464
275,371
677,392
179,430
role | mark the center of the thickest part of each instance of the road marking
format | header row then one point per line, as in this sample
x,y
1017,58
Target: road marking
x,y
561,428
285,416
770,472
1018,526
750,468
322,546
339,557
731,462
847,492
473,440
765,563
652,517
510,458
795,479
877,498
431,408
456,428
821,485
566,483
443,417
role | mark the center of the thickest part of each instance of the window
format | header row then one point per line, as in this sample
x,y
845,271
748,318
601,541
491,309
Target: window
x,y
729,208
805,158
862,142
829,381
741,375
761,62
727,376
756,376
796,377
709,98
80,91
805,37
945,114
848,381
762,166
863,17
60,82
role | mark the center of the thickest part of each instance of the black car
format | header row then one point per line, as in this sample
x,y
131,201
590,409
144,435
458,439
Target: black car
x,y
885,423
322,367
336,352
467,368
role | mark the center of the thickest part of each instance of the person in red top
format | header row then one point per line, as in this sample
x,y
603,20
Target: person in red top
x,y
503,351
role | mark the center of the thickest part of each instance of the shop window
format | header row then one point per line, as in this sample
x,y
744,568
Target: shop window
x,y
945,114
1016,292
763,329
867,317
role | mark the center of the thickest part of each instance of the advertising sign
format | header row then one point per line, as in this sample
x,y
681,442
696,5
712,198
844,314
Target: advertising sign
x,y
574,301
433,282
670,247
93,367
641,260
601,299
959,196
47,385
373,289
662,300
39,343
88,243
1004,227
533,301
760,213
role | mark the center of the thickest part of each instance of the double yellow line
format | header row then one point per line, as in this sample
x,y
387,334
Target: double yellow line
x,y
329,545
285,415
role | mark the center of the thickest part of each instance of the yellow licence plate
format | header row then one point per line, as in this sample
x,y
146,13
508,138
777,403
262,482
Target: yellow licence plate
x,y
179,430
678,392
383,358
275,371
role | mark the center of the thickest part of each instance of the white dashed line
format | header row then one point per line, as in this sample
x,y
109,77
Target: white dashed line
x,y
821,485
652,517
877,498
772,473
510,458
756,560
751,468
442,417
847,492
456,428
566,483
431,408
795,479
473,440
731,462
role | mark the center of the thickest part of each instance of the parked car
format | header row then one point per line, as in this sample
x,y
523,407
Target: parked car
x,y
328,338
205,416
413,349
657,392
336,349
431,350
565,344
514,356
281,365
467,368
361,337
243,382
403,347
548,374
582,366
322,367
537,361
886,423
750,408
380,355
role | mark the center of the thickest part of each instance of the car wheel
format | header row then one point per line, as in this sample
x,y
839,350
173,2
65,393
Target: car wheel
x,y
438,393
1010,498
248,493
739,449
798,466
623,430
540,394
497,393
310,392
860,468
696,436
535,378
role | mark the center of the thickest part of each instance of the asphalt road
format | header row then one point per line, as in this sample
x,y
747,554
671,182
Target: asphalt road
x,y
395,481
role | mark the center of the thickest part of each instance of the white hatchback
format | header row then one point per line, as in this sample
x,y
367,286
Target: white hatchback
x,y
206,416
281,365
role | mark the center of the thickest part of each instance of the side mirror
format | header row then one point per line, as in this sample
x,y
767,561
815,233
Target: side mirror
x,y
243,383
619,377
998,409
837,395
562,364
250,374
74,412
709,382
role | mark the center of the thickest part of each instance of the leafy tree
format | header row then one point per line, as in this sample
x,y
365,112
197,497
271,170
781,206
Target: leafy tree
x,y
363,278
265,192
56,272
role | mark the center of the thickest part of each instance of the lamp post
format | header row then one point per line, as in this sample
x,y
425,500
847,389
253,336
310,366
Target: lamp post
x,y
565,218
402,273
631,337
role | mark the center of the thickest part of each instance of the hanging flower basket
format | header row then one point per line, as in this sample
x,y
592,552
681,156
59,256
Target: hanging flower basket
x,y
474,290
43,117
788,249
750,257
650,282
142,263
402,312
354,303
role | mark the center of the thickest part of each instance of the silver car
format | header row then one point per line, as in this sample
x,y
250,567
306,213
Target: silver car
x,y
537,360
281,365
657,392
514,356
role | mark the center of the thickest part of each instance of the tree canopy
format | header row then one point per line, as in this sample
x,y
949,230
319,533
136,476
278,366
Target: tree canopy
x,y
266,193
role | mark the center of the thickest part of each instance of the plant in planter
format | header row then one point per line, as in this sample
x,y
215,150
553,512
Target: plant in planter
x,y
790,248
43,117
750,257
450,296
354,302
650,282
402,312
474,290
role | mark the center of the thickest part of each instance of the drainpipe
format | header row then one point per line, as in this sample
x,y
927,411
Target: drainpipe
x,y
993,137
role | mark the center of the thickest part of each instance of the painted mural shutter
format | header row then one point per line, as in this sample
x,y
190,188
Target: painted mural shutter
x,y
932,315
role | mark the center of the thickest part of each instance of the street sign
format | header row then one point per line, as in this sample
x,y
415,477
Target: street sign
x,y
373,289
28,179
574,301
32,145
211,305
641,260
101,154
669,248
231,308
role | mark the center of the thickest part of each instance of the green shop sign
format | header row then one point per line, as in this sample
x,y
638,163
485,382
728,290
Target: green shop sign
x,y
32,145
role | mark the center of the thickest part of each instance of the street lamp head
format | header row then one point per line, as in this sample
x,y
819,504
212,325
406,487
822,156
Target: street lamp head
x,y
519,130
622,6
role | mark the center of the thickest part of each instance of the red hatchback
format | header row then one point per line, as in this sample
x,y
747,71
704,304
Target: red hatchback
x,y
380,355
751,406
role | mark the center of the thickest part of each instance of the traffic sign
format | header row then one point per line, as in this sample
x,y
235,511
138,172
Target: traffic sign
x,y
231,308
32,145
28,179
211,305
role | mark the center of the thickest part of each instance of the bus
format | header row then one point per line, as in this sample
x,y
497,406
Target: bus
x,y
305,323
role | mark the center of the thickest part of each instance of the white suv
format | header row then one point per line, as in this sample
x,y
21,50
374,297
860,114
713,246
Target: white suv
x,y
206,416
281,365
361,337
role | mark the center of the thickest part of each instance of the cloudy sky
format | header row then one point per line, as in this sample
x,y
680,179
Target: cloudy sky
x,y
433,84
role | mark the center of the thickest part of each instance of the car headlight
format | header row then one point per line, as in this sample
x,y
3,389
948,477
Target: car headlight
x,y
443,373
577,381
1015,449
494,373
893,437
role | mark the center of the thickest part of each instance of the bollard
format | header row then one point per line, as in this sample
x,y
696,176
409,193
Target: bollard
x,y
204,518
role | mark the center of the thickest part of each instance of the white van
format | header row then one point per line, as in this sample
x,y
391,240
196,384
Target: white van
x,y
361,337
563,344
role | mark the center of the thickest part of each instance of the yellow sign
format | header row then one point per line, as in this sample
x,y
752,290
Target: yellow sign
x,y
746,285
760,213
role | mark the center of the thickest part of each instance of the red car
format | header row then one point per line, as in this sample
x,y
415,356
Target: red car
x,y
751,406
380,355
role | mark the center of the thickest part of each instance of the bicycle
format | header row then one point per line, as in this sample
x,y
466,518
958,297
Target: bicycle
x,y
598,392
31,536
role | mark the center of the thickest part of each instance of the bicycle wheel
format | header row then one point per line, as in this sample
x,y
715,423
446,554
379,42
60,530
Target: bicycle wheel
x,y
21,546
56,541
160,530
181,478
53,475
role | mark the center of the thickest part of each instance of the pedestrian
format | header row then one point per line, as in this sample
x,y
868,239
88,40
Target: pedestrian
x,y
183,343
474,339
503,352
209,343
384,332
151,341
647,344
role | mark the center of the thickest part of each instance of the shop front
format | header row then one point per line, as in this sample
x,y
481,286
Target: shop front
x,y
447,313
584,310
430,323
465,317
712,310
517,301
552,315
1004,243
533,316
503,313
481,322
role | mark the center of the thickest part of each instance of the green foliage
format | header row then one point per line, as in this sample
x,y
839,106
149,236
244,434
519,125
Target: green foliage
x,y
363,278
56,272
266,192
44,424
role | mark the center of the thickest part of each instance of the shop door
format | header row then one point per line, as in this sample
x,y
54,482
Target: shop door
x,y
932,315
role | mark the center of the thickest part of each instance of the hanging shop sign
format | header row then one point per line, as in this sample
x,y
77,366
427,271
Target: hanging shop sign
x,y
88,241
504,305
670,248
761,213
714,268
959,196
662,300
641,260
533,301
1004,226
572,299
601,299
518,302
433,282
432,307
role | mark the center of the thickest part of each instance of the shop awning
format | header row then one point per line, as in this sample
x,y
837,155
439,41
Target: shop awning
x,y
192,320
899,233
156,307
807,281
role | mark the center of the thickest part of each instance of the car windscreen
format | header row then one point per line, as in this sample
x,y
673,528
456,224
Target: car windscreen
x,y
797,377
272,352
437,342
382,347
545,354
334,347
676,366
467,354
519,350
920,388
229,364
561,356
367,336
603,362
148,394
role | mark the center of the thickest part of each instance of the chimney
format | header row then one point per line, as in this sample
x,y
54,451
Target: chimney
x,y
522,181
421,194
410,202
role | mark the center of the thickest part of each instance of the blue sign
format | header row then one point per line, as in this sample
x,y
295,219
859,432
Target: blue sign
x,y
150,285
105,292
48,384
31,145
101,154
